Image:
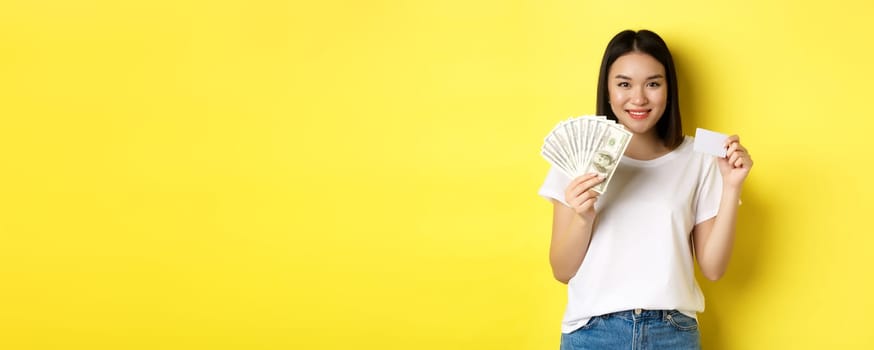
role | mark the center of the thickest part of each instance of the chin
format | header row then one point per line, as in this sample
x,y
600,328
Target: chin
x,y
639,129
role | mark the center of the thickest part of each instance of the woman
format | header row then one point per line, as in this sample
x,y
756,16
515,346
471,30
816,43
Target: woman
x,y
627,254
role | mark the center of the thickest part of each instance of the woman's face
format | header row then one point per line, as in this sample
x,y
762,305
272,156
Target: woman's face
x,y
638,89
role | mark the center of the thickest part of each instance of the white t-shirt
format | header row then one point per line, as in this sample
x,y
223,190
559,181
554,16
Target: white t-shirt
x,y
640,255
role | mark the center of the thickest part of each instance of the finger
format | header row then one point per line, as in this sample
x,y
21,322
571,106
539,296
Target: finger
x,y
738,152
582,178
587,204
731,148
741,150
733,158
595,181
578,201
748,159
573,189
731,139
586,195
585,198
587,185
573,197
579,189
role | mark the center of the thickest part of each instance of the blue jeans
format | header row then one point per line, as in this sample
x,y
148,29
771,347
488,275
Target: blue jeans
x,y
635,329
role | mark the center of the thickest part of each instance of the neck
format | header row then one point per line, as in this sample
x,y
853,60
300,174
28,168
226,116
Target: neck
x,y
646,147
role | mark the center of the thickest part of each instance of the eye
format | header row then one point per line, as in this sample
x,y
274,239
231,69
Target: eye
x,y
654,84
623,84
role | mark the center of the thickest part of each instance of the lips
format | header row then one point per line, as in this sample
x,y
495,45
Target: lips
x,y
638,114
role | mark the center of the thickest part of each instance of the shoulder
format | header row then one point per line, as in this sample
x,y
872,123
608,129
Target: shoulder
x,y
687,150
705,167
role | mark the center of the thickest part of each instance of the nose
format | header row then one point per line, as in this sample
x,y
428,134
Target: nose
x,y
638,97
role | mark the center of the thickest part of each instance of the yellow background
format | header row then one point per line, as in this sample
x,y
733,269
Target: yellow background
x,y
338,174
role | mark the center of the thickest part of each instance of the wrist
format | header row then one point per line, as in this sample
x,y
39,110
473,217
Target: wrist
x,y
734,189
731,194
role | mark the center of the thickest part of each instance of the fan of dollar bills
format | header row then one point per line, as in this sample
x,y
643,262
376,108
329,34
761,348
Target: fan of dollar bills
x,y
587,144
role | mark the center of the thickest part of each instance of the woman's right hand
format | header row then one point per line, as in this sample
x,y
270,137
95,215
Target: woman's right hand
x,y
580,196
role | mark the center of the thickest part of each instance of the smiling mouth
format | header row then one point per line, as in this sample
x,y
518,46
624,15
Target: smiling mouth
x,y
638,114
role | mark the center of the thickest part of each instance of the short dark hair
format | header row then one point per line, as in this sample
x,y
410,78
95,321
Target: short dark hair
x,y
669,128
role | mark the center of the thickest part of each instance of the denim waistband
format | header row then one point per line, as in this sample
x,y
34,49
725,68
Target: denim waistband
x,y
640,314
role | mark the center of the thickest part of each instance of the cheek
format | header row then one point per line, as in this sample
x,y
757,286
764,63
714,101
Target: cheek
x,y
615,95
617,98
659,96
616,106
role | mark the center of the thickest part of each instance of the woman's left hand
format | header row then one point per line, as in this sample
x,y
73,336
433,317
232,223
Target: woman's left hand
x,y
737,162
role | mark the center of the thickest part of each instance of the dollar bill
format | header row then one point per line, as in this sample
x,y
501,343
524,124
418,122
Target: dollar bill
x,y
586,144
605,157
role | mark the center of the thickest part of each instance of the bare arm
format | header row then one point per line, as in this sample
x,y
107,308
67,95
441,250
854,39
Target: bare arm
x,y
714,239
572,227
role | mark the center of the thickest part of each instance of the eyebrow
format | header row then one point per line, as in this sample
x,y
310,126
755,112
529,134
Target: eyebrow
x,y
657,76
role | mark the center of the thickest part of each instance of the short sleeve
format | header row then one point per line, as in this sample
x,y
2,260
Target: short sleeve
x,y
554,185
709,191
